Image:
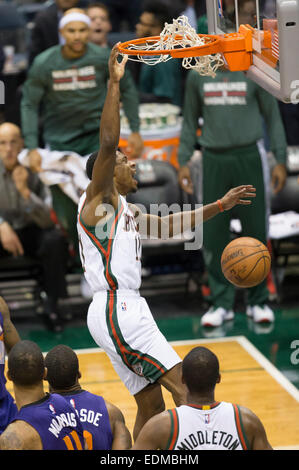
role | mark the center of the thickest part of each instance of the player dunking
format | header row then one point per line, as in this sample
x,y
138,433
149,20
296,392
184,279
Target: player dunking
x,y
119,319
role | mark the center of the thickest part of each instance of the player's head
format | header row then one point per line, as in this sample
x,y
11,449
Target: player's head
x,y
74,27
152,19
62,368
124,172
11,143
100,24
26,366
200,371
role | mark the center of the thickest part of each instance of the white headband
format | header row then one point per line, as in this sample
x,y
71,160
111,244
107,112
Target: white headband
x,y
74,17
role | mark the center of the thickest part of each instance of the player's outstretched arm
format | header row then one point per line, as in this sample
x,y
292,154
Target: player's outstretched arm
x,y
103,170
177,223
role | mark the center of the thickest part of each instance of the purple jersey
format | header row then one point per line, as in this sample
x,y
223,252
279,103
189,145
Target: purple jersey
x,y
94,417
8,408
56,422
2,361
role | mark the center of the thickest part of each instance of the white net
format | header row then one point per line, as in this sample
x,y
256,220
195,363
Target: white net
x,y
179,34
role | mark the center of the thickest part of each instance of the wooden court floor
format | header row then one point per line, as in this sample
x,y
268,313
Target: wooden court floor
x,y
248,379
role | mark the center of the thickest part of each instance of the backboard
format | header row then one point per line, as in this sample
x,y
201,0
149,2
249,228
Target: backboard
x,y
275,40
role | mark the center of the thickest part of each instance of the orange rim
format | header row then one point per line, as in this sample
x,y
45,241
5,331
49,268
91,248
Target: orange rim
x,y
213,41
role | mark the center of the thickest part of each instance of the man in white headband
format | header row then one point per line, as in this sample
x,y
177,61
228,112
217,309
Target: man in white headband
x,y
74,27
70,82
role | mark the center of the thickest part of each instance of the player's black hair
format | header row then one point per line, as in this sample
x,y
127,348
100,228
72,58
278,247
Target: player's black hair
x,y
161,12
62,367
200,370
26,363
90,163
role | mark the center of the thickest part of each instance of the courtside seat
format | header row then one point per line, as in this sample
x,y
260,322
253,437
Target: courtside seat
x,y
285,251
20,283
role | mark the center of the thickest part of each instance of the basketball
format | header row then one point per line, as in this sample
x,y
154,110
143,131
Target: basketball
x,y
245,262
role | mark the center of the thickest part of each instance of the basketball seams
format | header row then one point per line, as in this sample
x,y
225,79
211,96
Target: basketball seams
x,y
245,257
253,268
255,258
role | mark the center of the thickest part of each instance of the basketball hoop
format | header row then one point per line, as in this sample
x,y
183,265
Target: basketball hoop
x,y
204,53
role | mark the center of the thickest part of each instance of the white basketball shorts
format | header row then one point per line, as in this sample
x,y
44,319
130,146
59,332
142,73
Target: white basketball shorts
x,y
121,323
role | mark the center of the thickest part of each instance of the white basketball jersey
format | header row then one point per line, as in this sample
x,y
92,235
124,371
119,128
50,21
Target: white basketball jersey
x,y
111,252
215,427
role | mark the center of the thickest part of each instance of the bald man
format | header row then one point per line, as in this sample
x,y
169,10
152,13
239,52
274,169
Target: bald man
x,y
26,227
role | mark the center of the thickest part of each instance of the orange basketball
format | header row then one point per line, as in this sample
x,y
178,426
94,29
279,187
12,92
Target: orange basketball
x,y
245,262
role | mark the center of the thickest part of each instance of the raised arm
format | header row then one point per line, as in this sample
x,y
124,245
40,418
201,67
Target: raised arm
x,y
10,334
103,171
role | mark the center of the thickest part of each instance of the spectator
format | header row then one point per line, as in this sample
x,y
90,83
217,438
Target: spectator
x,y
232,151
100,24
44,421
203,423
8,338
163,82
70,82
103,423
25,221
45,32
123,15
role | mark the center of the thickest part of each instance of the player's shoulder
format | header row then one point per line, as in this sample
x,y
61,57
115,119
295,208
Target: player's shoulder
x,y
249,420
20,435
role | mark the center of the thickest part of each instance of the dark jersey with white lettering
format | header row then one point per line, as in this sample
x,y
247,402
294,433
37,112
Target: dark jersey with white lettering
x,y
56,422
211,427
94,418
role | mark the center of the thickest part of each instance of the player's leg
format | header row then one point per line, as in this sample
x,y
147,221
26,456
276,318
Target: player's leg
x,y
150,400
149,403
172,381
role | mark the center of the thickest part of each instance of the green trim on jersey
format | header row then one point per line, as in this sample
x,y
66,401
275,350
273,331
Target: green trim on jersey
x,y
105,246
174,430
240,428
140,363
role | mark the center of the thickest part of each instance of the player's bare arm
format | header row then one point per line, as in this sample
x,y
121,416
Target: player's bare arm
x,y
255,431
20,436
101,188
155,434
11,336
175,224
121,436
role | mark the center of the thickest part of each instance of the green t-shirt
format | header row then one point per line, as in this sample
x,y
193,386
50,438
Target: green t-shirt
x,y
233,109
71,96
164,80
